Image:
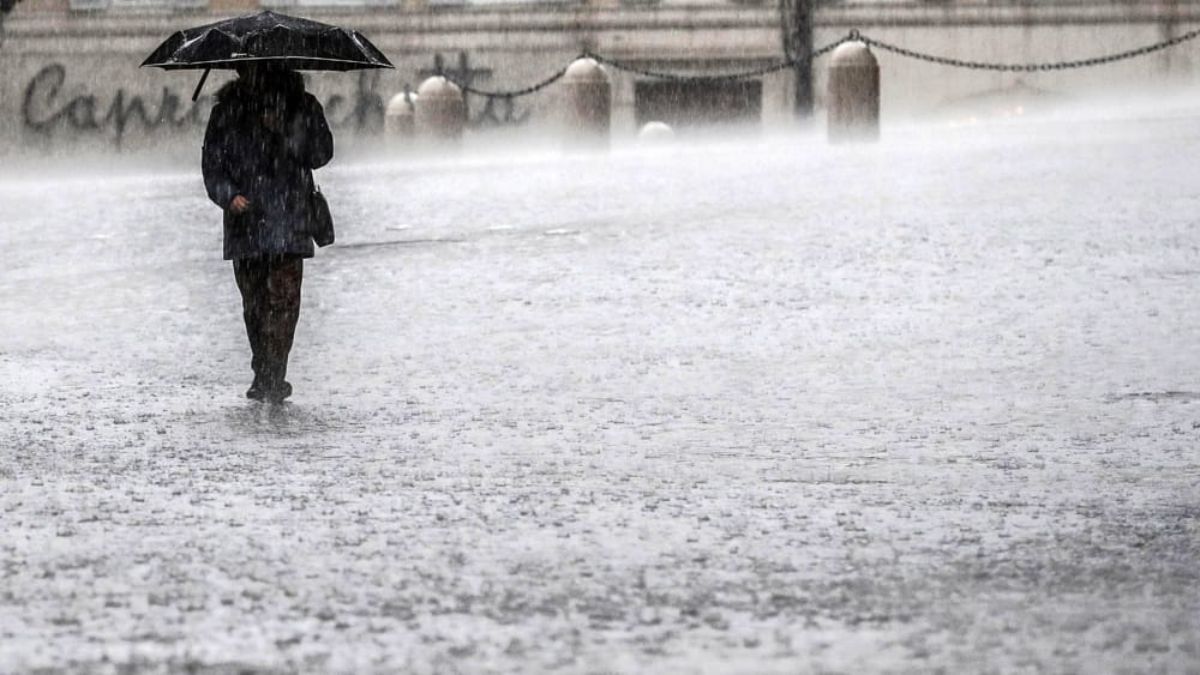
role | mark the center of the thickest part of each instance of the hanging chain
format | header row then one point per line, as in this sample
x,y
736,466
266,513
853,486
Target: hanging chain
x,y
623,66
531,89
757,72
721,77
1027,67
791,61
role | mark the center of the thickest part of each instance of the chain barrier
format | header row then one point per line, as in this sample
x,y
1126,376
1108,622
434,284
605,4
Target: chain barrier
x,y
1025,67
853,36
515,93
626,67
722,77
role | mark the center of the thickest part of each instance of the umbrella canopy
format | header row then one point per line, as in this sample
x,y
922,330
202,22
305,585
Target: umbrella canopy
x,y
267,37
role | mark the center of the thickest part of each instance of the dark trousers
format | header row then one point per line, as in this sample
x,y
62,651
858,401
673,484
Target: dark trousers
x,y
270,290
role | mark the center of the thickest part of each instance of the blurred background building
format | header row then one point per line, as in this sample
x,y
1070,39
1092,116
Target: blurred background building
x,y
69,75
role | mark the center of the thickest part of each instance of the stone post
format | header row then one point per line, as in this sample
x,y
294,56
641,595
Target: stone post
x,y
440,114
399,121
853,94
656,133
588,102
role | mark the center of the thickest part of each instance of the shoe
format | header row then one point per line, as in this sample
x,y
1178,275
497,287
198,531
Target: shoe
x,y
280,392
256,391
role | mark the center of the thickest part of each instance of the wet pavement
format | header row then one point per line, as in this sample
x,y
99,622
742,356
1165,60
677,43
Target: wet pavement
x,y
756,406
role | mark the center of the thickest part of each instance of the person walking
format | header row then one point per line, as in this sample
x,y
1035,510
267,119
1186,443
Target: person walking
x,y
265,136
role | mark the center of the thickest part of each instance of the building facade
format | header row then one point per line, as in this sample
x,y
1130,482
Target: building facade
x,y
69,75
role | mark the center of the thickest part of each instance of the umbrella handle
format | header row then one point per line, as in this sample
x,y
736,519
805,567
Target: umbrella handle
x,y
200,84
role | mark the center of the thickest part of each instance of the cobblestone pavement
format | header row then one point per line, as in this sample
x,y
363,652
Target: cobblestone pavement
x,y
750,407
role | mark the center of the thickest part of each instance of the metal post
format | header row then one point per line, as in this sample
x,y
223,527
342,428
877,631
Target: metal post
x,y
801,47
5,7
1169,29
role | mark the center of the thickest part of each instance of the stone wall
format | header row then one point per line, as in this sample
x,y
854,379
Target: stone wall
x,y
70,80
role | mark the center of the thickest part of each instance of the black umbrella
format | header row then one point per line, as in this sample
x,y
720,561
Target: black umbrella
x,y
266,37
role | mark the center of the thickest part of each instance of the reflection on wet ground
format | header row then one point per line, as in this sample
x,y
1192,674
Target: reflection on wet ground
x,y
282,419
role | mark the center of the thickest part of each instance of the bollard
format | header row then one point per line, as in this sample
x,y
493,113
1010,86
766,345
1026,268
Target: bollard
x,y
853,107
440,113
398,122
654,133
588,102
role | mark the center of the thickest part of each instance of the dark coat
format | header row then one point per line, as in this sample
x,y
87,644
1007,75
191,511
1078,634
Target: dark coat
x,y
270,168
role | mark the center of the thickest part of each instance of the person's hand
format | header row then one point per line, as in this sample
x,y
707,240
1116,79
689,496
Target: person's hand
x,y
239,205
